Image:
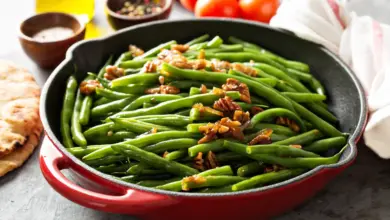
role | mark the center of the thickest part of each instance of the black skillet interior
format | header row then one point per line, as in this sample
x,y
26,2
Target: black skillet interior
x,y
345,96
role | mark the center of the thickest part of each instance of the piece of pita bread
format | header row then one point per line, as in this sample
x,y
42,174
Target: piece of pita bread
x,y
19,115
17,157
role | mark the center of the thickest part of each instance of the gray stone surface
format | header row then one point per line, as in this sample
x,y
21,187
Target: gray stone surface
x,y
362,192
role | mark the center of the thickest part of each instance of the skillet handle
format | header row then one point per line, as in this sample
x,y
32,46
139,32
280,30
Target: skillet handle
x,y
122,200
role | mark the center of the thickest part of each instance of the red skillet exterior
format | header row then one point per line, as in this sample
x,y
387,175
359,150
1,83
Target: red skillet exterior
x,y
148,204
260,205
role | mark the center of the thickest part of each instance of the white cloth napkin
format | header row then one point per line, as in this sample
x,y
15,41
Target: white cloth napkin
x,y
361,42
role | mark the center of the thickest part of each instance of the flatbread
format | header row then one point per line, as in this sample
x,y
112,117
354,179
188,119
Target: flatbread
x,y
17,157
20,125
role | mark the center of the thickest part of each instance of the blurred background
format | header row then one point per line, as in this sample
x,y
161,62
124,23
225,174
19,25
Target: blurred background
x,y
13,12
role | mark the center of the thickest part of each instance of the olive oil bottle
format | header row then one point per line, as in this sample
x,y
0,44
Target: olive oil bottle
x,y
83,9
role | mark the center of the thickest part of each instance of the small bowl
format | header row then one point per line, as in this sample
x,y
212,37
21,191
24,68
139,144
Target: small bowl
x,y
118,21
48,54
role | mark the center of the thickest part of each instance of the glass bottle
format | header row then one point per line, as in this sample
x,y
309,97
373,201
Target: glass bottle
x,y
83,9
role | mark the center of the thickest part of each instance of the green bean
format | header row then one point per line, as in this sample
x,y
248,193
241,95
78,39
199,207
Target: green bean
x,y
284,87
177,154
251,168
249,45
103,69
262,74
275,128
153,183
123,57
76,131
302,139
134,178
197,115
298,66
104,82
130,71
114,168
229,157
85,110
176,186
147,105
274,137
183,94
247,56
224,48
196,91
101,130
316,121
154,51
153,98
173,105
215,42
167,120
214,146
142,141
274,149
199,46
280,75
278,137
114,106
222,189
304,162
144,78
101,101
114,138
259,101
279,150
209,181
175,144
304,97
321,112
142,169
246,106
105,160
260,89
277,112
112,95
185,84
134,63
194,128
266,178
184,112
269,81
154,160
326,144
197,40
86,104
136,89
288,63
317,87
139,127
80,152
305,77
67,111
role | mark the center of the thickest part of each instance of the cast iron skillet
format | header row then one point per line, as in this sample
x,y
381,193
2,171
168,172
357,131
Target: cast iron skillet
x,y
346,96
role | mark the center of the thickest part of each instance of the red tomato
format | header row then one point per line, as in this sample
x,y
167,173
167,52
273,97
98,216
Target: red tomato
x,y
217,8
189,4
258,10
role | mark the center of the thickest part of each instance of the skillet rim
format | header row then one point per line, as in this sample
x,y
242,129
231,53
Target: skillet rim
x,y
352,140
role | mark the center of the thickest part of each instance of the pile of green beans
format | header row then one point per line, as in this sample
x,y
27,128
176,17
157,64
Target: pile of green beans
x,y
153,139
